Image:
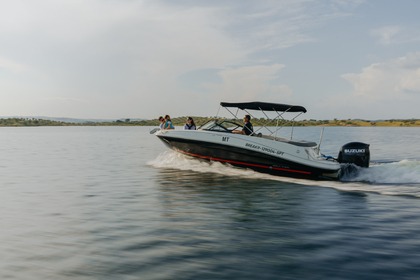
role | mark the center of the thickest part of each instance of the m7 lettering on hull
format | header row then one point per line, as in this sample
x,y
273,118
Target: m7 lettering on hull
x,y
225,139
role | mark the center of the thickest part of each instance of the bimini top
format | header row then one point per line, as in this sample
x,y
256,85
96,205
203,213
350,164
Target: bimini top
x,y
264,106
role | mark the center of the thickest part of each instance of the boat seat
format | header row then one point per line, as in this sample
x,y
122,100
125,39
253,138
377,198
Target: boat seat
x,y
302,143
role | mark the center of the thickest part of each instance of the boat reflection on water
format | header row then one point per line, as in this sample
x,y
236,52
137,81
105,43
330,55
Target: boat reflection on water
x,y
221,222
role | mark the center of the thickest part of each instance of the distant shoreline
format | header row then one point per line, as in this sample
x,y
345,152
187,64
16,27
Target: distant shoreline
x,y
180,121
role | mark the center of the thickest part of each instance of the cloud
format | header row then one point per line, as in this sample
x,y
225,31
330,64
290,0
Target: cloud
x,y
396,34
383,90
108,50
273,25
132,58
11,66
259,82
80,32
387,34
387,80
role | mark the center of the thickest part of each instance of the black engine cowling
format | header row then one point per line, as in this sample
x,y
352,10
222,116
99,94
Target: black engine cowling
x,y
355,152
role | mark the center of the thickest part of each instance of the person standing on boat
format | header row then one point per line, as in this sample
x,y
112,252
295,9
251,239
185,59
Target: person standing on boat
x,y
168,123
190,125
247,129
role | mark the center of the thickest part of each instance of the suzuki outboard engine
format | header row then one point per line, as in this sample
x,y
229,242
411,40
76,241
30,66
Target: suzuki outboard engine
x,y
355,152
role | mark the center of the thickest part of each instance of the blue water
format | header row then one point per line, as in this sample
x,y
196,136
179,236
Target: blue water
x,y
114,203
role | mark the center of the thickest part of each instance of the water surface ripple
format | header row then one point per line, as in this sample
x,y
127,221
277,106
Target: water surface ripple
x,y
113,203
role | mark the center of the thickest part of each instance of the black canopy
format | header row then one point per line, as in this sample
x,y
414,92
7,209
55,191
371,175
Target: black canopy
x,y
264,106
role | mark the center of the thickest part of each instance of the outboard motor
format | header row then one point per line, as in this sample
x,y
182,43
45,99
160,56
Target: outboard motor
x,y
355,152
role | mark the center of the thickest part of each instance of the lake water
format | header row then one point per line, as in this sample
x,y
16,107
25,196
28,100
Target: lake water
x,y
114,203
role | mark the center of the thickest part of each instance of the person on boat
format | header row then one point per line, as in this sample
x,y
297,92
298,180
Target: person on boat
x,y
168,123
162,122
190,125
247,129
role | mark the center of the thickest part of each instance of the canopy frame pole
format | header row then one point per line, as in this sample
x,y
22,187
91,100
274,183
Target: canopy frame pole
x,y
234,116
293,124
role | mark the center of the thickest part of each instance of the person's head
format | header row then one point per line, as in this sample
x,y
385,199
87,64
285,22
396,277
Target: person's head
x,y
167,117
161,119
190,120
247,118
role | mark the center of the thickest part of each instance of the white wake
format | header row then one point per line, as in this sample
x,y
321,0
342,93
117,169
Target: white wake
x,y
396,178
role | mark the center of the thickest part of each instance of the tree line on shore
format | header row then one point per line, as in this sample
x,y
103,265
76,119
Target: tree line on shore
x,y
180,121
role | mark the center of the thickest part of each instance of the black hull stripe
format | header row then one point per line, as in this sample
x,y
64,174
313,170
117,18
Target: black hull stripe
x,y
234,162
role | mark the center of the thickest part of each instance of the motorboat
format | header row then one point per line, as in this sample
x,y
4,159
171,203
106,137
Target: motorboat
x,y
263,150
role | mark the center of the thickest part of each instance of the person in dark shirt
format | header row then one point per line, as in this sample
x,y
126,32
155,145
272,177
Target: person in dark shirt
x,y
190,125
247,129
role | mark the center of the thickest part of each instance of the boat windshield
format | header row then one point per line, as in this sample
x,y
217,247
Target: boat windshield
x,y
220,125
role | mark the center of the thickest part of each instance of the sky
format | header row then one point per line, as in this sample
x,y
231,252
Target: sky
x,y
111,59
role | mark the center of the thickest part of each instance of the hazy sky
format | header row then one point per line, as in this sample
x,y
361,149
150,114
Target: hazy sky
x,y
141,59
